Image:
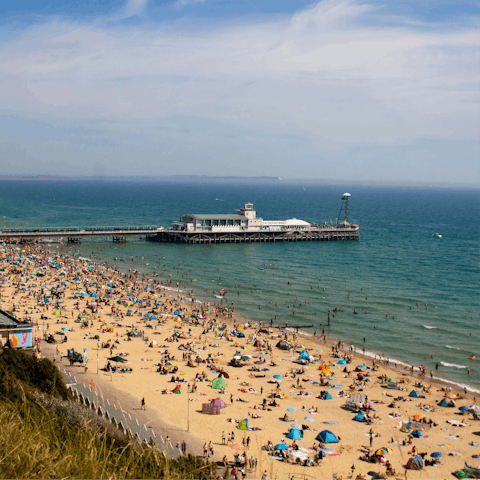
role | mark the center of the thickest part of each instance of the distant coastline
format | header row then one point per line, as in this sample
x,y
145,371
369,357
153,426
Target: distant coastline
x,y
32,177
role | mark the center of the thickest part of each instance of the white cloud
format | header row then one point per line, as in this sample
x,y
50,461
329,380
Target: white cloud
x,y
183,3
131,8
331,76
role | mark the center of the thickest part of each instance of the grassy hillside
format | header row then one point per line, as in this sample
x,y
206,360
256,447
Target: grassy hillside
x,y
44,434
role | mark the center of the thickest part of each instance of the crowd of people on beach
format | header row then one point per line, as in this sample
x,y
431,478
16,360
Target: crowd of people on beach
x,y
94,301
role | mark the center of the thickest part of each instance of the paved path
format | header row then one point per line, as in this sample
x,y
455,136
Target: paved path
x,y
124,407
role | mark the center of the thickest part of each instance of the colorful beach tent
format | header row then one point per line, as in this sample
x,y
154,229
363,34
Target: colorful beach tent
x,y
326,436
416,433
413,394
294,434
243,425
219,383
406,427
210,409
177,389
472,471
392,383
415,463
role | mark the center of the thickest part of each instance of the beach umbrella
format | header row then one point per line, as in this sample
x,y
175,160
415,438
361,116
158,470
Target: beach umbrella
x,y
383,451
463,409
117,358
309,419
436,454
246,357
291,409
277,376
281,446
296,426
474,407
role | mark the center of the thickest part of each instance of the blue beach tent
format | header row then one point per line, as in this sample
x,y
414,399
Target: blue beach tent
x,y
359,417
342,362
326,436
443,403
413,394
280,446
416,433
327,396
415,463
294,434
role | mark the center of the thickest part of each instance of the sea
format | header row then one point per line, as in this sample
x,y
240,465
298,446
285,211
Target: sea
x,y
417,295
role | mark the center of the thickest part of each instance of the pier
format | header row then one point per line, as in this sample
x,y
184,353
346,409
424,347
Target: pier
x,y
327,233
74,235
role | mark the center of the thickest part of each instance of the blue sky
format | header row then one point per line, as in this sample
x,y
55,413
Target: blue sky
x,y
337,89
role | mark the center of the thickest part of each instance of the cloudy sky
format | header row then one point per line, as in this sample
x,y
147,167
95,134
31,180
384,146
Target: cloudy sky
x,y
363,90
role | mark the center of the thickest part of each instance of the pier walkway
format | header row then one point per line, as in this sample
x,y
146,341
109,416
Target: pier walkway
x,y
75,234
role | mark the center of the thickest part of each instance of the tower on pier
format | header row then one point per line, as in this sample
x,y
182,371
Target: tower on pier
x,y
343,215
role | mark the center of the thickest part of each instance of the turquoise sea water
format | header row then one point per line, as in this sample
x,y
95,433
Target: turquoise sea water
x,y
395,264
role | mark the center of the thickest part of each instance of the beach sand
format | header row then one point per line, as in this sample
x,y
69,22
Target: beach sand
x,y
173,414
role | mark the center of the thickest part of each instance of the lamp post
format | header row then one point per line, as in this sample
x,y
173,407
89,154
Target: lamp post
x,y
98,348
188,408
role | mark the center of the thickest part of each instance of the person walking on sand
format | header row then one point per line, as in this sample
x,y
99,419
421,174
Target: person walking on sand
x,y
143,404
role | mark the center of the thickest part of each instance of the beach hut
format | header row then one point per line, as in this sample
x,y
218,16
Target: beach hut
x,y
294,434
415,463
243,425
413,394
359,417
326,436
219,383
472,471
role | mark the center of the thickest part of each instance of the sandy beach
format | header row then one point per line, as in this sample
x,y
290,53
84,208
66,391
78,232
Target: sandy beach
x,y
154,328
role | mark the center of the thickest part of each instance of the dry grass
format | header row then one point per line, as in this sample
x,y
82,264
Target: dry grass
x,y
36,443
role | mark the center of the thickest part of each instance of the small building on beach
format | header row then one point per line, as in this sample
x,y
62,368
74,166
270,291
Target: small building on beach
x,y
14,332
